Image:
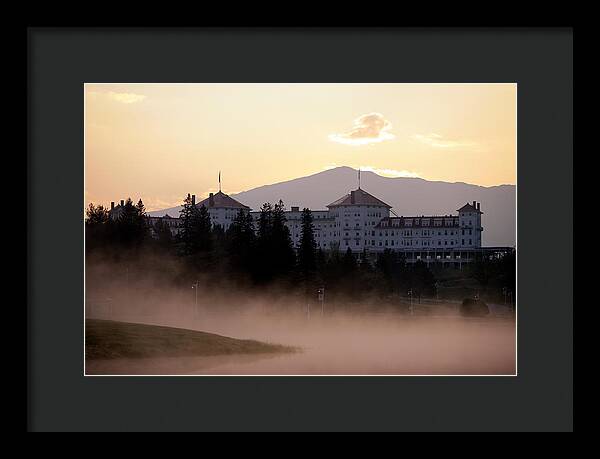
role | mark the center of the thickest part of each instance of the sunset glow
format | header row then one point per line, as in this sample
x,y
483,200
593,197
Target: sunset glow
x,y
159,142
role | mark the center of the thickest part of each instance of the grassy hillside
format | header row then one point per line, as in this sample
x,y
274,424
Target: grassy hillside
x,y
106,339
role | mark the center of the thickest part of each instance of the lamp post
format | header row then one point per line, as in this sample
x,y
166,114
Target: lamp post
x,y
321,296
410,308
195,287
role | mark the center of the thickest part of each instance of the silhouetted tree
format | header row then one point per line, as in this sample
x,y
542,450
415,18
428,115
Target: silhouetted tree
x,y
422,280
349,261
96,231
283,255
164,237
195,238
482,270
263,266
241,243
131,227
307,252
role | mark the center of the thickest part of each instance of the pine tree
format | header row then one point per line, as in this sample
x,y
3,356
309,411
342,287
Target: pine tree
x,y
307,262
284,257
241,242
202,227
96,228
163,235
349,262
195,239
263,267
185,238
422,280
131,225
96,215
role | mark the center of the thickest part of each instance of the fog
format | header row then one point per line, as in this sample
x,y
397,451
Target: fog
x,y
342,338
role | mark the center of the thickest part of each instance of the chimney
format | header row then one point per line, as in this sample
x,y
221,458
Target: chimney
x,y
193,200
122,202
211,200
112,205
475,204
352,198
479,207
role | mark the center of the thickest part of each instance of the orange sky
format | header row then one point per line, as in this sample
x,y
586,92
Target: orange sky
x,y
162,141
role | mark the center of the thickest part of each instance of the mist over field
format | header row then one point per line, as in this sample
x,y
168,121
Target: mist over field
x,y
346,337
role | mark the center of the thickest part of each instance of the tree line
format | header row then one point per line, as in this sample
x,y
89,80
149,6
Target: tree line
x,y
260,253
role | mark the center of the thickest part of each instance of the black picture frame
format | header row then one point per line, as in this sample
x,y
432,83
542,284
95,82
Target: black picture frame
x,y
61,60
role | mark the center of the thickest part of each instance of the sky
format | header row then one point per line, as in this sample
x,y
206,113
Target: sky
x,y
159,142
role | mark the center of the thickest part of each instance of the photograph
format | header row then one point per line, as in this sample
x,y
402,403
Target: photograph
x,y
300,229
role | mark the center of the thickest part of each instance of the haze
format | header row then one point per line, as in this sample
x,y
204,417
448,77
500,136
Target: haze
x,y
162,141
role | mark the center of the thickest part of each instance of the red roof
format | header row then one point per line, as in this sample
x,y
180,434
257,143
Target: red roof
x,y
359,197
220,199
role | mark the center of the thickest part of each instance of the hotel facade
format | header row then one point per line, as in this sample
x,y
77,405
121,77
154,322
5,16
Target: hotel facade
x,y
366,225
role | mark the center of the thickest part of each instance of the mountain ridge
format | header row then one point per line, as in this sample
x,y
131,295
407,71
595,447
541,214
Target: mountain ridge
x,y
407,196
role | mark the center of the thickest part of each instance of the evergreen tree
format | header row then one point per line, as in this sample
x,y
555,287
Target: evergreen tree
x,y
96,229
321,263
131,226
164,236
349,261
195,238
241,243
365,266
96,215
283,255
185,238
422,280
202,227
307,252
263,266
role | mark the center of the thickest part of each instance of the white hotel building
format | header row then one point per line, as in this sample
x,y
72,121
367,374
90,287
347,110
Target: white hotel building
x,y
364,223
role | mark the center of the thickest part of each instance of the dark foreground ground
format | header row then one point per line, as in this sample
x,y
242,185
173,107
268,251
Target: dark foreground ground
x,y
110,340
337,344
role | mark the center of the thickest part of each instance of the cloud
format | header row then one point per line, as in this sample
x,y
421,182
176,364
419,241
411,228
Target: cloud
x,y
126,97
366,129
121,97
390,172
438,141
379,171
155,203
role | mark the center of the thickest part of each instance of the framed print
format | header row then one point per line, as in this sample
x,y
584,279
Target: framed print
x,y
300,230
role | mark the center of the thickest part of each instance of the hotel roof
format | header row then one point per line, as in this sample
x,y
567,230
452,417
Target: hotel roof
x,y
359,197
469,208
220,199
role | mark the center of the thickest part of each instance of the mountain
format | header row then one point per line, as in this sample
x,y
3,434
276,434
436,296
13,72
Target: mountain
x,y
407,196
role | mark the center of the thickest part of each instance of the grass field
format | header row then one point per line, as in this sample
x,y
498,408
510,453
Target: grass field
x,y
106,339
